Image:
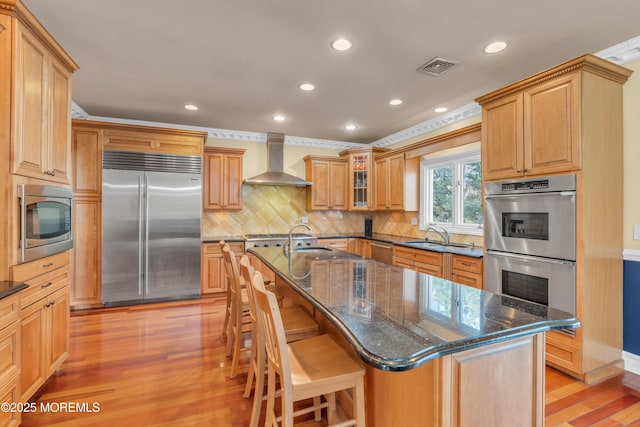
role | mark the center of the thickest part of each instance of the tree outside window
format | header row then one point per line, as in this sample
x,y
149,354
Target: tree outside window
x,y
452,194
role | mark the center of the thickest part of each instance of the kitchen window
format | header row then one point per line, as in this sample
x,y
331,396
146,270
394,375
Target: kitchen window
x,y
452,195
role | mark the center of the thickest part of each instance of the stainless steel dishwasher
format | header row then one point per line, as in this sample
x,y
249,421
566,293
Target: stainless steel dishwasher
x,y
381,251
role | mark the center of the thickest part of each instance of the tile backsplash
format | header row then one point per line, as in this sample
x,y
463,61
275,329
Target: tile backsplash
x,y
272,209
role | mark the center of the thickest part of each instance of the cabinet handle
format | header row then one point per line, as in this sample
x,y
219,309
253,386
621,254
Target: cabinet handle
x,y
49,264
53,173
47,285
467,264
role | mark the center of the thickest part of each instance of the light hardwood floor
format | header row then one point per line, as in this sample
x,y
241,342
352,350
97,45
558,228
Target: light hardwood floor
x,y
165,365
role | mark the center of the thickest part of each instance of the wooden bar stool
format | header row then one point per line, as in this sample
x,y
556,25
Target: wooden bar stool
x,y
239,319
297,323
306,369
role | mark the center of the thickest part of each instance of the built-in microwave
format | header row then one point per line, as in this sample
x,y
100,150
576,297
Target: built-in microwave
x,y
45,221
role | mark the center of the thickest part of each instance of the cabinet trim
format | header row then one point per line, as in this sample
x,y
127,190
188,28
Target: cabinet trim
x,y
589,63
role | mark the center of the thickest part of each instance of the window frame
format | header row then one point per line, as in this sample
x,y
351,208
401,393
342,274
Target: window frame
x,y
426,209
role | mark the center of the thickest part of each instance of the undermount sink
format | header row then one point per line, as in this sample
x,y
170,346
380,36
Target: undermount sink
x,y
311,249
426,243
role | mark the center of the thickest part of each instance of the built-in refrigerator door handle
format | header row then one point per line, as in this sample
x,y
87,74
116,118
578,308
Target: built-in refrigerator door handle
x,y
140,233
146,235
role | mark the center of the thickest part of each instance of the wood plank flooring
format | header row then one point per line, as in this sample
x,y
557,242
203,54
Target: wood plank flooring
x,y
165,365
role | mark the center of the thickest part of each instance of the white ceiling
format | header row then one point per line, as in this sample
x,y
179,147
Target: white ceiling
x,y
241,61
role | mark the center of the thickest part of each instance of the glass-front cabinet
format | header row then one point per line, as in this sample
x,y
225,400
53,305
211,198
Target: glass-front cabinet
x,y
361,177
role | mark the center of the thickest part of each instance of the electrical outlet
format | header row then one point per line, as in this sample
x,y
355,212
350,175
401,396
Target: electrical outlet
x,y
414,221
304,220
636,232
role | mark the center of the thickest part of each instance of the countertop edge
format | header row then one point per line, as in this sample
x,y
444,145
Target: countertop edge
x,y
421,358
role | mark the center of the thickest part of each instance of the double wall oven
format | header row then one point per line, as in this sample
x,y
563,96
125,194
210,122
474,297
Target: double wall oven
x,y
530,240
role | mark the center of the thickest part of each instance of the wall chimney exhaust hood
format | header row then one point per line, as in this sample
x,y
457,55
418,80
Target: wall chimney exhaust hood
x,y
274,174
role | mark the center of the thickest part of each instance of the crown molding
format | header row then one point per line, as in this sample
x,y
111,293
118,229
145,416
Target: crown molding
x,y
622,53
463,113
77,112
235,135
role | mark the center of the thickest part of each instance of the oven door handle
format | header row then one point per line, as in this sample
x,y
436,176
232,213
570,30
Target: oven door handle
x,y
517,196
530,258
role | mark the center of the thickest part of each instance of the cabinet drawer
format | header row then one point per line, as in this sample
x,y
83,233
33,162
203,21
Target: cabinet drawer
x,y
467,278
43,285
563,354
26,271
417,255
472,265
214,248
9,309
9,352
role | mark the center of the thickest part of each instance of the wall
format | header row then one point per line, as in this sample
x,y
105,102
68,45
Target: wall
x,y
631,292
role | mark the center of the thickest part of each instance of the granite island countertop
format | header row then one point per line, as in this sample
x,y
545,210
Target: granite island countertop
x,y
398,319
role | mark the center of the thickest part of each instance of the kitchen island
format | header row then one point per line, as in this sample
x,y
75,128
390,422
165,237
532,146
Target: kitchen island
x,y
436,352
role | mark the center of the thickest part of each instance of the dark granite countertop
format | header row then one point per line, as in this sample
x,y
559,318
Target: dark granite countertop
x,y
8,287
429,245
398,319
228,239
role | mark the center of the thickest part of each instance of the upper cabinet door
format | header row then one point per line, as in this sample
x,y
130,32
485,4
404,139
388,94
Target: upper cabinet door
x,y
552,126
59,150
338,188
233,181
502,140
29,150
222,179
42,112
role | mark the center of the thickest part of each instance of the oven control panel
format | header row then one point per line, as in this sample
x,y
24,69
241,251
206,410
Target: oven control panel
x,y
542,184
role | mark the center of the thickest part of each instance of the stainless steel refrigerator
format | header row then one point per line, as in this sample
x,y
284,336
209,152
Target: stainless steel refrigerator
x,y
151,208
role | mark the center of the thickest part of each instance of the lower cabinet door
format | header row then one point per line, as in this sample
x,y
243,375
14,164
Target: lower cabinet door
x,y
32,329
57,332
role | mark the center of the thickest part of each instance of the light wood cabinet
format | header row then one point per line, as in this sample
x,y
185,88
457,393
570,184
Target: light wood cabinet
x,y
44,328
9,357
468,271
396,182
536,126
360,181
86,154
360,247
427,262
569,119
41,146
86,261
222,179
86,288
147,139
329,178
338,244
213,278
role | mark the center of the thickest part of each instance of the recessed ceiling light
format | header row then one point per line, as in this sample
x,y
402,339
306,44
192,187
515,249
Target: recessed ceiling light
x,y
279,118
495,47
395,102
440,109
191,107
341,44
307,87
350,126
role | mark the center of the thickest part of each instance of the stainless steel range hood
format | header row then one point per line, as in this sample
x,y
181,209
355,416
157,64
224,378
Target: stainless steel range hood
x,y
274,174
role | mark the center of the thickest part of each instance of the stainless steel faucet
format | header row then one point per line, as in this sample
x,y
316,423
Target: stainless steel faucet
x,y
441,231
293,227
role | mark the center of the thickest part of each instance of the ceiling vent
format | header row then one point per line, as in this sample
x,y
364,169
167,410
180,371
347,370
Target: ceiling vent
x,y
437,66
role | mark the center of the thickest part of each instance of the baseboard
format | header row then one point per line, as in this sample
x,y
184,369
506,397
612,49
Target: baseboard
x,y
631,362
